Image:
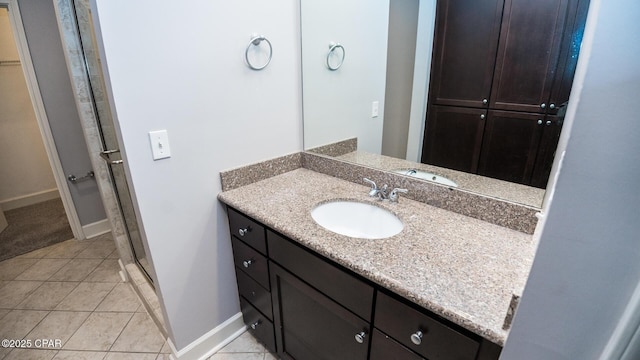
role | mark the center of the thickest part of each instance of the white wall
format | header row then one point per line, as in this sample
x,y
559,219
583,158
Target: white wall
x,y
338,103
587,267
25,166
179,66
401,56
421,76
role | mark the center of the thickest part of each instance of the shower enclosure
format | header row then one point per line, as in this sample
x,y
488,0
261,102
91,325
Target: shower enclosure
x,y
109,147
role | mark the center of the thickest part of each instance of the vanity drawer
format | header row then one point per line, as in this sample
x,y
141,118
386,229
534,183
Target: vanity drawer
x,y
438,342
342,287
259,326
247,230
385,348
255,294
251,262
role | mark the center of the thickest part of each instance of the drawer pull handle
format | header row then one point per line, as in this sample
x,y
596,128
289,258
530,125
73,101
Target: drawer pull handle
x,y
244,231
247,263
255,325
416,337
360,337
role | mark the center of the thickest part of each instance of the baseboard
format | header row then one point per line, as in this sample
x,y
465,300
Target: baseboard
x,y
96,228
211,342
30,199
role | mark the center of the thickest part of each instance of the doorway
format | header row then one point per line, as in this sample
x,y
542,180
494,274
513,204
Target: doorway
x,y
32,213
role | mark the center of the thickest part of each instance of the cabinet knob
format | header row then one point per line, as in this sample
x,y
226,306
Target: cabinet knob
x,y
552,106
247,263
543,105
482,117
548,122
416,337
255,325
485,101
244,231
539,121
360,337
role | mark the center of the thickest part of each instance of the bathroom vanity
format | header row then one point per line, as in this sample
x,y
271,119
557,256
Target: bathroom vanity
x,y
440,289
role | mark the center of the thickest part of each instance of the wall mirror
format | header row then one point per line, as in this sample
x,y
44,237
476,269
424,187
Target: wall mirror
x,y
376,101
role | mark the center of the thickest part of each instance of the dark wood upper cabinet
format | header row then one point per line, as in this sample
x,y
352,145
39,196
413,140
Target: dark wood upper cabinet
x,y
569,51
521,56
510,145
528,53
465,46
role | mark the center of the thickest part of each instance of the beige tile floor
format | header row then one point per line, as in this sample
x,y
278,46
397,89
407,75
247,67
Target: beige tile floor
x,y
72,292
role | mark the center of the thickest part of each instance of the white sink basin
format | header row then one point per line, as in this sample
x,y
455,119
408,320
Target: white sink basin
x,y
425,175
356,219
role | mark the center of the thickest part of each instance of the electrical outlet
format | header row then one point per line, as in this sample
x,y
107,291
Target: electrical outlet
x,y
160,144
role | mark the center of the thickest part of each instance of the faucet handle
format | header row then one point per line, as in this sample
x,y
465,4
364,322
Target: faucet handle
x,y
394,194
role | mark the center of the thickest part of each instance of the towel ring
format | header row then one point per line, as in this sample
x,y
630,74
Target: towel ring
x,y
332,48
255,41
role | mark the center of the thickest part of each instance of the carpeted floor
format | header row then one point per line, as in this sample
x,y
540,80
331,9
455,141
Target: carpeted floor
x,y
33,227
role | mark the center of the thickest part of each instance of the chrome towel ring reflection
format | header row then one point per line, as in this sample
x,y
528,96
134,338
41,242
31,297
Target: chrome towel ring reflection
x,y
255,41
332,48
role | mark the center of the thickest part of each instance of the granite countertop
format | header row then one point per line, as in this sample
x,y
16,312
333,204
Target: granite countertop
x,y
517,193
461,268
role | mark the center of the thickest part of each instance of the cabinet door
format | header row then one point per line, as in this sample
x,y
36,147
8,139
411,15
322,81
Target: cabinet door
x,y
570,48
510,145
528,53
385,348
311,326
546,151
465,44
453,137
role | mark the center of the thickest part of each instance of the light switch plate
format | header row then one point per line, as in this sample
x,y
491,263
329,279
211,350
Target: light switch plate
x,y
160,144
374,109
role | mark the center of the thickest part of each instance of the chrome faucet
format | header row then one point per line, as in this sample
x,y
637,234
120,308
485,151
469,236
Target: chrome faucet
x,y
381,193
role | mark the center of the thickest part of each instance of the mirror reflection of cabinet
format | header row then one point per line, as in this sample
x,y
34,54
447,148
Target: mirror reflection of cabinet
x,y
512,61
454,137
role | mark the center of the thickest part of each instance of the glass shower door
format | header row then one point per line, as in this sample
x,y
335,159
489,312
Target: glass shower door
x,y
110,146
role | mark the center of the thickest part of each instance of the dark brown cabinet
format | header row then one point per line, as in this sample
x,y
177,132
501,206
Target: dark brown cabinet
x,y
546,150
465,52
528,54
312,308
312,326
512,63
454,137
252,274
421,332
510,145
384,348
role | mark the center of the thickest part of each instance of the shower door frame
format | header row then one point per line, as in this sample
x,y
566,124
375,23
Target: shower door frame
x,y
76,64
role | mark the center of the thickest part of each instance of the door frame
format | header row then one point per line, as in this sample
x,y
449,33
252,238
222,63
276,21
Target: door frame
x,y
19,35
